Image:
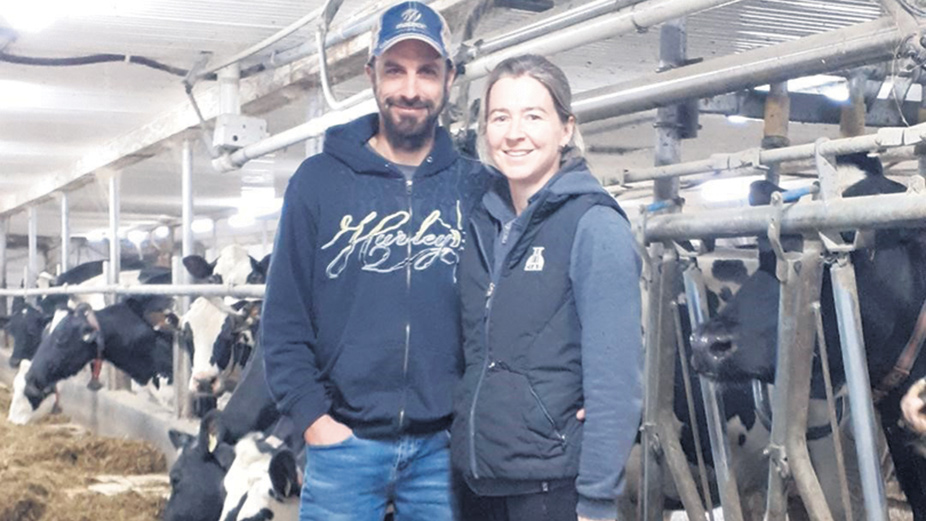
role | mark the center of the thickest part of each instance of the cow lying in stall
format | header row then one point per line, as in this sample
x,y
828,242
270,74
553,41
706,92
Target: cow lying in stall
x,y
220,333
242,465
127,334
740,343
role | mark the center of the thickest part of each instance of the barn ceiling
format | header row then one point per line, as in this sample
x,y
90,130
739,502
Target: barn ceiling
x,y
56,121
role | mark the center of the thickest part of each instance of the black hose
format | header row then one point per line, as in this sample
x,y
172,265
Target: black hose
x,y
106,58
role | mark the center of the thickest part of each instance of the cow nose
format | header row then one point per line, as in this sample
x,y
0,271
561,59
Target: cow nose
x,y
718,344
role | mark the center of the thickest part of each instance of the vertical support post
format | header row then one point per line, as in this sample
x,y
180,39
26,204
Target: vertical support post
x,y
32,264
653,498
4,226
229,99
315,108
852,116
775,130
65,233
864,427
115,246
921,149
117,379
182,366
186,189
696,295
788,455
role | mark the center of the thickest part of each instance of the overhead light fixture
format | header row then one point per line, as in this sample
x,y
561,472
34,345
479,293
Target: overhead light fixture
x,y
97,235
241,220
161,232
36,15
137,237
203,225
725,190
737,119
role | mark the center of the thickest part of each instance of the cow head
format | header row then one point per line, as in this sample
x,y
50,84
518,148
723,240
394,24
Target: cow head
x,y
22,409
740,342
197,493
25,325
70,345
233,266
219,337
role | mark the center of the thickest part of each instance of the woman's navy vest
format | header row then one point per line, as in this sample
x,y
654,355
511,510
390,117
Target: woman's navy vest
x,y
515,409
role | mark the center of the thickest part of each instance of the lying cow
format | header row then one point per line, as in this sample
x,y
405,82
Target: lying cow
x,y
248,427
220,332
123,334
740,342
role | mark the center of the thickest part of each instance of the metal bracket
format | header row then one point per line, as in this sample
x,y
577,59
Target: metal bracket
x,y
650,433
746,159
774,237
639,235
826,173
779,458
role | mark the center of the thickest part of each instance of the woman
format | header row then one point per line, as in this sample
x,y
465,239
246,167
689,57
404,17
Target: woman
x,y
549,283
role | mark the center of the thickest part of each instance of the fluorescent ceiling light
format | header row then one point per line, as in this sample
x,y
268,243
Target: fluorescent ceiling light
x,y
34,15
97,235
730,189
161,232
137,237
736,119
202,225
240,220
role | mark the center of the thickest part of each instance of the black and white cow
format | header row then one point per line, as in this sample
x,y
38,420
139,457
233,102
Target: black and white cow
x,y
27,322
251,426
197,493
220,333
740,342
123,334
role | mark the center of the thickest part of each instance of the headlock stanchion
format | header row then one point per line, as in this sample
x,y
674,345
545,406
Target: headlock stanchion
x,y
696,295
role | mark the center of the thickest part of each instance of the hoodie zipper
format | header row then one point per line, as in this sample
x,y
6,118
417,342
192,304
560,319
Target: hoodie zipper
x,y
490,292
408,321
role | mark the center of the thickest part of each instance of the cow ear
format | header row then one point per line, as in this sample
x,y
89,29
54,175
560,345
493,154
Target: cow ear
x,y
224,455
265,264
284,474
198,267
179,439
255,266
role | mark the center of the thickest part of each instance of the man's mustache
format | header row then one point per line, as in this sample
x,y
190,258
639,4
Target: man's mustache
x,y
404,104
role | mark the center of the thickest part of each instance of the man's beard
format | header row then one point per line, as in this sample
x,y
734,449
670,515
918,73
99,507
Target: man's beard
x,y
409,133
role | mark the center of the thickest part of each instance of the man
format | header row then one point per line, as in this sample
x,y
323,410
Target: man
x,y
360,323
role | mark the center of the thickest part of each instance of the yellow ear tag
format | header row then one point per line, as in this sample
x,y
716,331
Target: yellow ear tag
x,y
213,442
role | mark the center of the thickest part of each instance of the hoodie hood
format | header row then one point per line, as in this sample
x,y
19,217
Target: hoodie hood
x,y
348,144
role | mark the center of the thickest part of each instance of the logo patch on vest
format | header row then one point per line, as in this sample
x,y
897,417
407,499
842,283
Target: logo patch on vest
x,y
535,261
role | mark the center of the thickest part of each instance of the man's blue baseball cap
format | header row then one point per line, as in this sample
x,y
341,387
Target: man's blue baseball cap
x,y
410,20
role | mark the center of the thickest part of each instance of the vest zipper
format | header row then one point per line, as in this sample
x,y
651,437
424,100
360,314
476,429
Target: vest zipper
x,y
486,365
408,322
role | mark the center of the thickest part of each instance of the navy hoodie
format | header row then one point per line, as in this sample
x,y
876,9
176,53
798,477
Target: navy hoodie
x,y
360,319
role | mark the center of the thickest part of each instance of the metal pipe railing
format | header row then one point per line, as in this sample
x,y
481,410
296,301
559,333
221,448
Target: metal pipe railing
x,y
204,290
755,159
638,17
874,211
843,48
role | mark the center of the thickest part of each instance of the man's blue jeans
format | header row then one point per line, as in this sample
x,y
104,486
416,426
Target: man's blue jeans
x,y
355,479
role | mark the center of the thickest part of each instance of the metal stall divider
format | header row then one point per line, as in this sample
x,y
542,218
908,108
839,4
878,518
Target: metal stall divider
x,y
696,295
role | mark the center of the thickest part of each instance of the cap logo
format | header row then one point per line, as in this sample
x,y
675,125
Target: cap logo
x,y
411,19
411,15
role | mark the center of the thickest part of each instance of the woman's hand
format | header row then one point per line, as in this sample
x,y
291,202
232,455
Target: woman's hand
x,y
912,406
326,431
